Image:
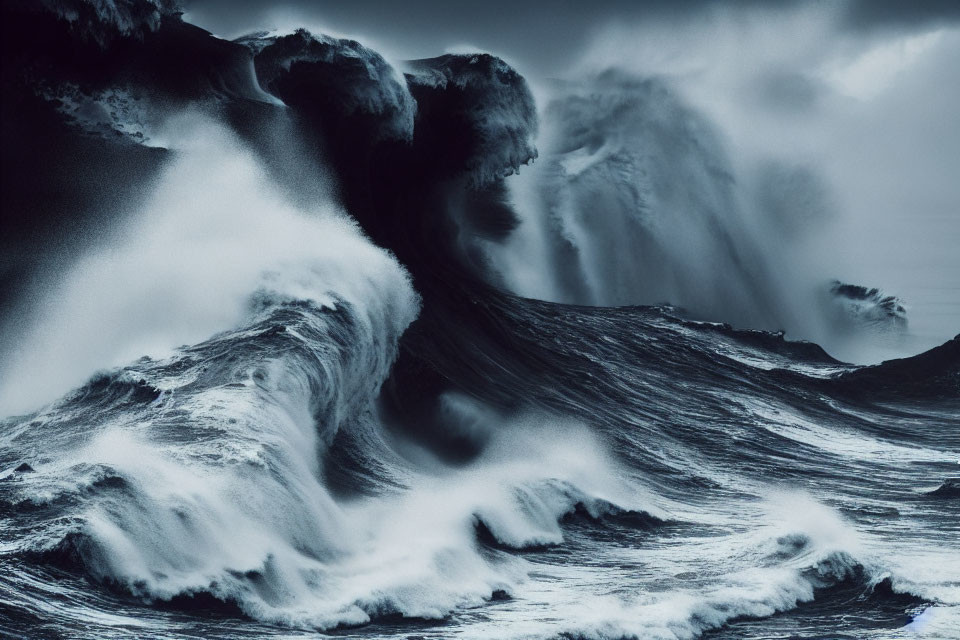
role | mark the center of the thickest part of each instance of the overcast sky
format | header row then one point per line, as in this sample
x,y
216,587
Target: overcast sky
x,y
545,35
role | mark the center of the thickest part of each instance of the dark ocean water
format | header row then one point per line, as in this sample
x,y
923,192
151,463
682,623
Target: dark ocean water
x,y
364,434
671,479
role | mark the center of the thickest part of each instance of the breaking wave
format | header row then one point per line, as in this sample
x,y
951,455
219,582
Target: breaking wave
x,y
288,388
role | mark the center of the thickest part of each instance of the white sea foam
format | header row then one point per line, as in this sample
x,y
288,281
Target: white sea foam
x,y
183,268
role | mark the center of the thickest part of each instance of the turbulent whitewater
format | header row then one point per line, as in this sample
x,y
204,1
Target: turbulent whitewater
x,y
333,351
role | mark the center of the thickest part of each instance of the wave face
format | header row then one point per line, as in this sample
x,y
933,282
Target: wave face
x,y
618,228
636,200
286,389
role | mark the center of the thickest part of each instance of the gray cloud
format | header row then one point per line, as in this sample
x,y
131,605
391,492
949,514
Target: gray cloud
x,y
541,35
900,14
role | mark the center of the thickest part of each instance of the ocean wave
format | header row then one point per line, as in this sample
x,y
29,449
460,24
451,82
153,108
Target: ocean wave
x,y
287,389
237,511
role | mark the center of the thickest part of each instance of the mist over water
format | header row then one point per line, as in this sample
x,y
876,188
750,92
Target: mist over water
x,y
735,165
864,116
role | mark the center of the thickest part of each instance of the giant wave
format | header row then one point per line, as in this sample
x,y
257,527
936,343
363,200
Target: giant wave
x,y
318,402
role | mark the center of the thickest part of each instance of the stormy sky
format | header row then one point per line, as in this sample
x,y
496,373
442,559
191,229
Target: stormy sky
x,y
544,35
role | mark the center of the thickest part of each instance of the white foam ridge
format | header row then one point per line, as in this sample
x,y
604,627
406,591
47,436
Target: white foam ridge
x,y
213,231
